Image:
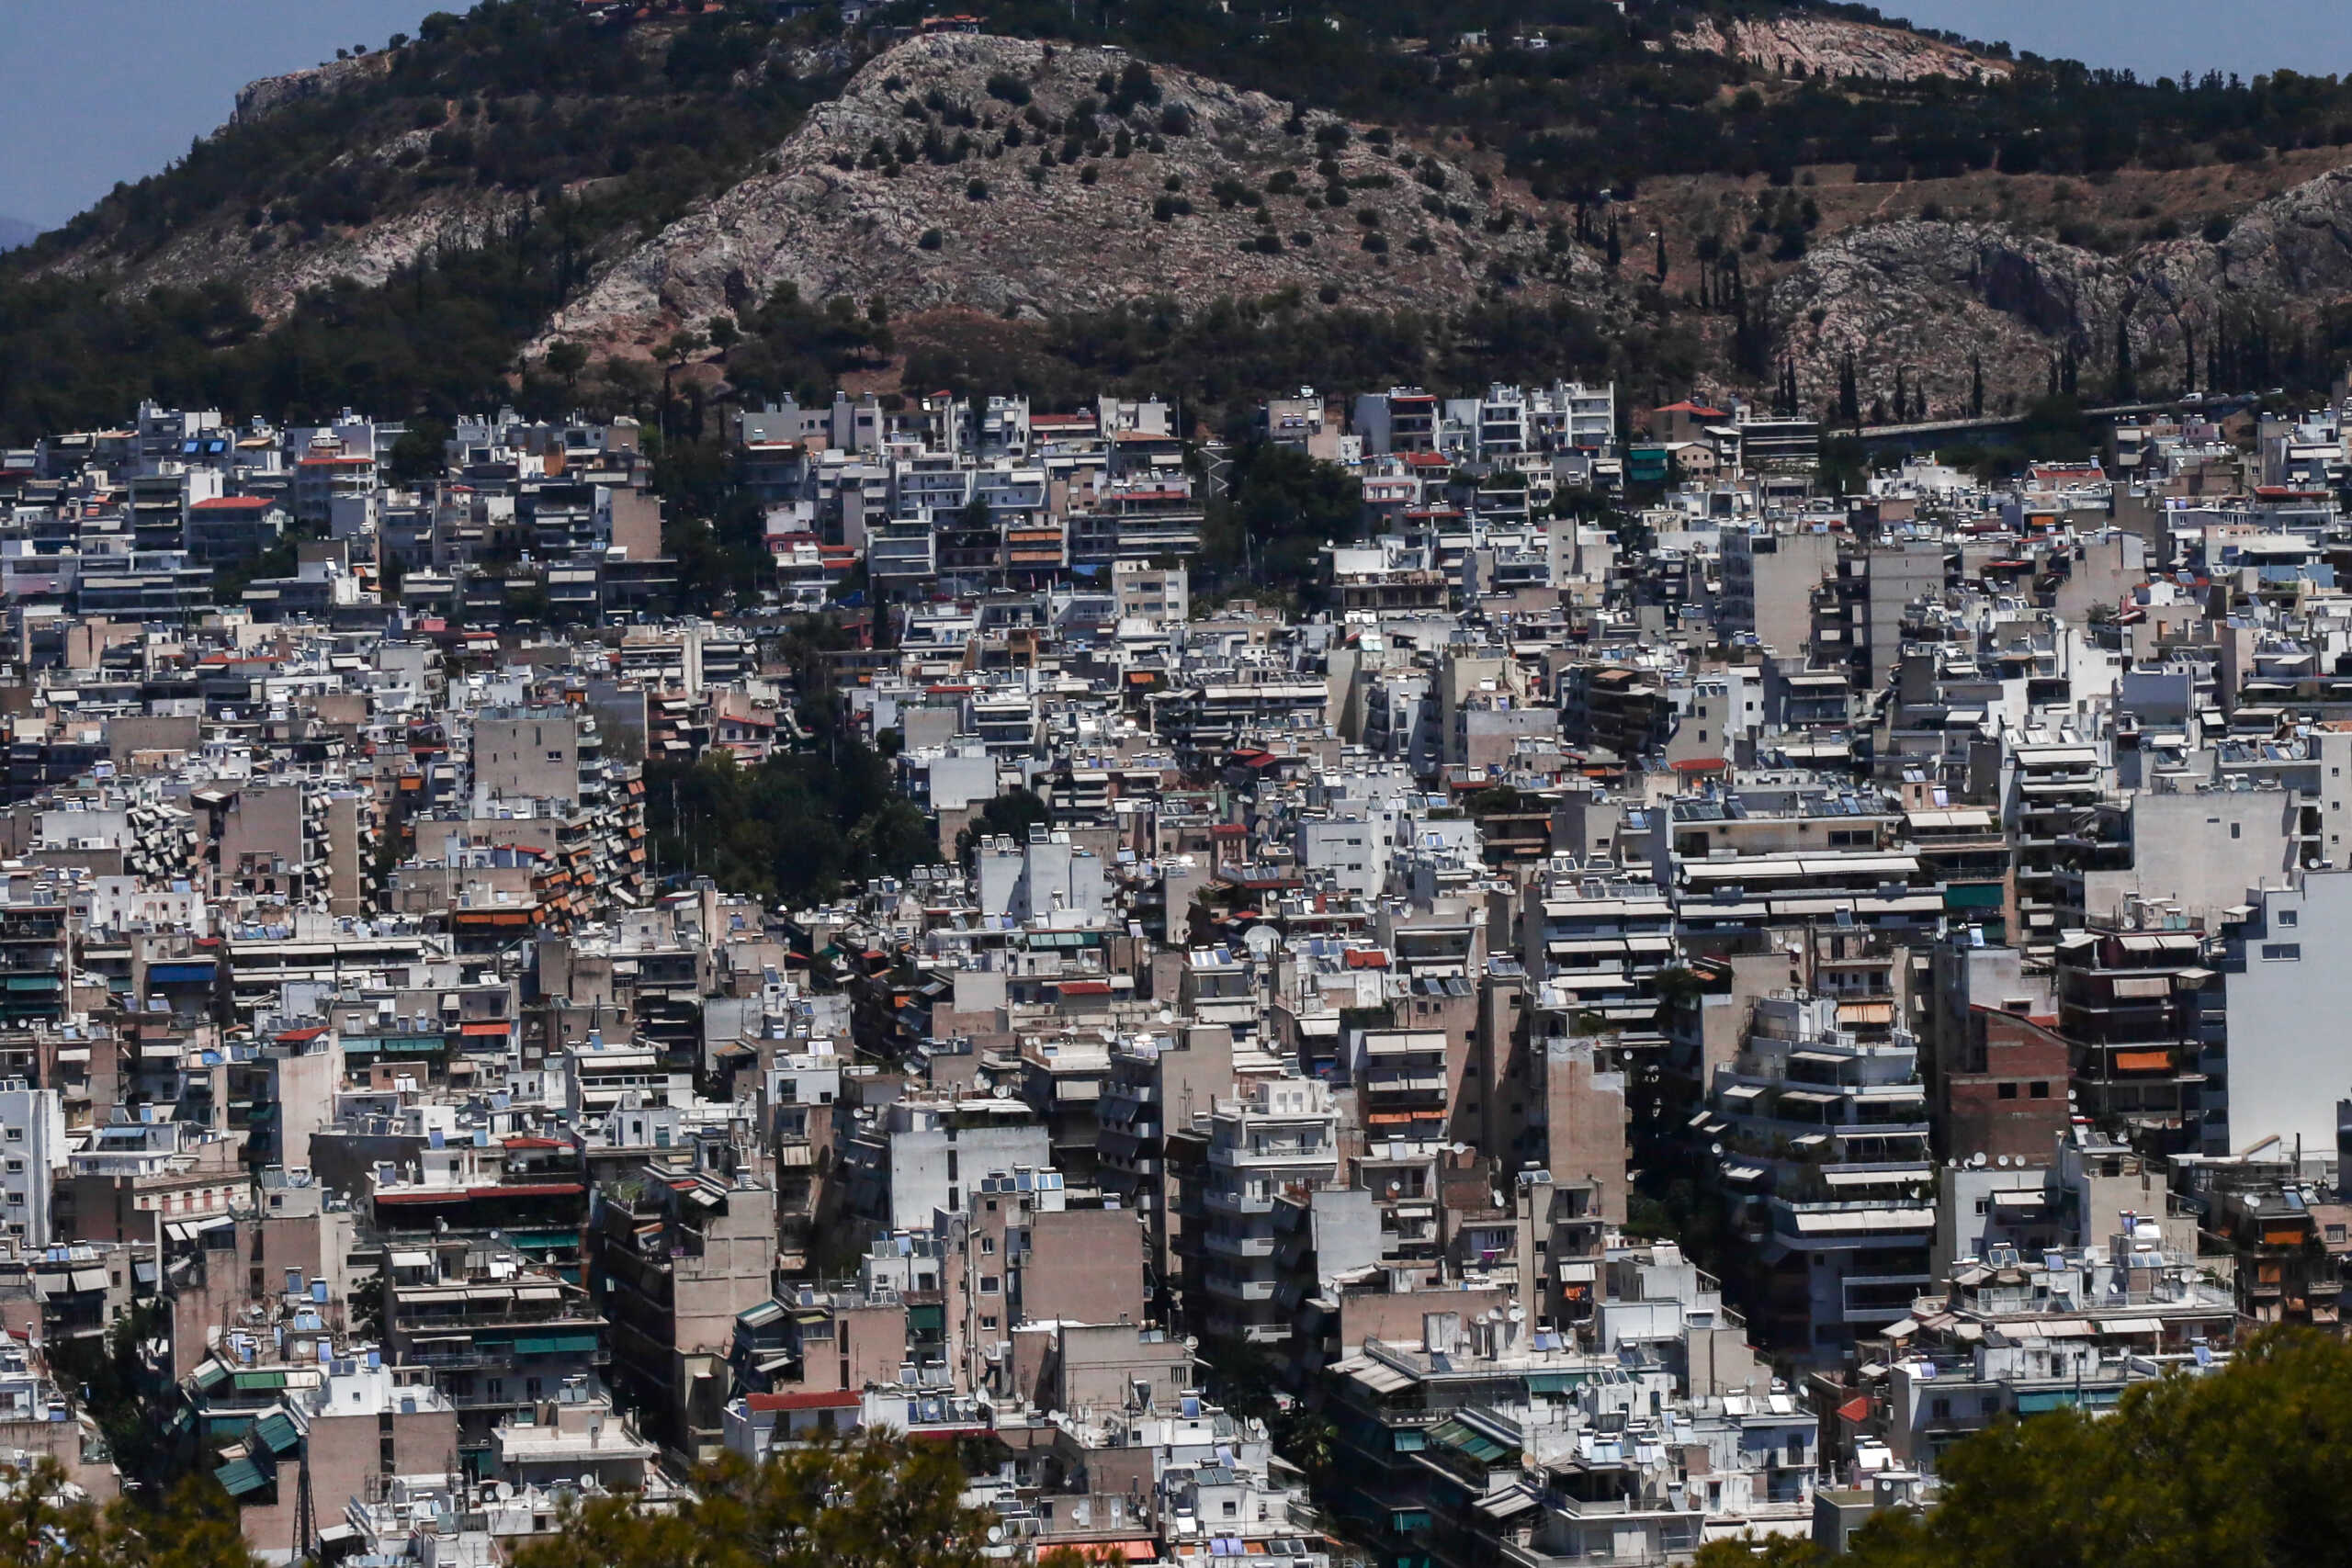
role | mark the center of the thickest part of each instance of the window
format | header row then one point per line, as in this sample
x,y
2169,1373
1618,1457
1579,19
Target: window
x,y
988,1284
2040,1090
2286,917
988,1325
1230,1509
2237,829
2008,1091
988,1245
2282,951
1942,1409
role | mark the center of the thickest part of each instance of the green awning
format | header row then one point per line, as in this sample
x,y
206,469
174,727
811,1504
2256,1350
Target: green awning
x,y
239,1476
35,983
209,1375
1553,1383
2041,1404
557,1344
260,1382
1465,1440
276,1430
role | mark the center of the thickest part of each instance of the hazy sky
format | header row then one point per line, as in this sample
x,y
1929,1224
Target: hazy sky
x,y
105,90
97,90
2156,37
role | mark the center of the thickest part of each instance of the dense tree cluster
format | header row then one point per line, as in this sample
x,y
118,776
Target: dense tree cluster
x,y
2251,1467
796,828
879,1502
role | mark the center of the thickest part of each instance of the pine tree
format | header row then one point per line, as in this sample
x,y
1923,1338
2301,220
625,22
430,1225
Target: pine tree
x,y
2125,390
1902,395
1975,385
1850,398
1614,252
1661,255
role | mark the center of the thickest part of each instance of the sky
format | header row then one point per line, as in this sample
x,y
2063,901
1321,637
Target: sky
x,y
107,90
99,91
2157,37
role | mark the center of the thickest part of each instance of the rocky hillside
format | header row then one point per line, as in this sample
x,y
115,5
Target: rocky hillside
x,y
1027,179
272,276
271,93
1925,296
535,171
1817,46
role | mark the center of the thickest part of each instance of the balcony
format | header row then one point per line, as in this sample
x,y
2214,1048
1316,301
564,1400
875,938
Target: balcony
x,y
1239,1289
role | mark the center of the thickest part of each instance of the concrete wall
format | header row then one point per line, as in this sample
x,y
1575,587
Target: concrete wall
x,y
1084,1266
2291,1018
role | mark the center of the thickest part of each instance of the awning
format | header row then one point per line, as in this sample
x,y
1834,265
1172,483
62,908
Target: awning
x,y
1506,1505
2143,1061
557,1344
278,1432
2131,1326
239,1476
2057,1328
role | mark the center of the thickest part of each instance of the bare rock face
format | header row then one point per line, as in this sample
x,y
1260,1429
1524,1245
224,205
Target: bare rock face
x,y
1926,296
1820,47
220,247
257,99
907,186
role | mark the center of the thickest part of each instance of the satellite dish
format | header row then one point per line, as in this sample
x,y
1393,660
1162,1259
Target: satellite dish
x,y
1976,1160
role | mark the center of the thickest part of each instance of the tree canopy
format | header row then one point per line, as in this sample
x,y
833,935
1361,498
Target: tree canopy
x,y
877,1502
2250,1467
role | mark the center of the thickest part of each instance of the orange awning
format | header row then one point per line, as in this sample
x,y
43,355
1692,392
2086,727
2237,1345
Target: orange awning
x,y
2143,1061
